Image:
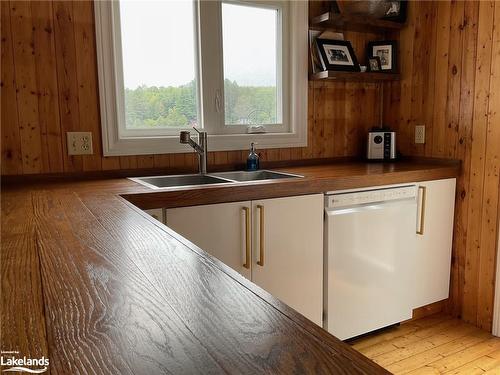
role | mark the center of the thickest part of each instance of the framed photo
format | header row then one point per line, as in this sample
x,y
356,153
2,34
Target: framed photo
x,y
387,52
374,64
337,55
334,7
396,11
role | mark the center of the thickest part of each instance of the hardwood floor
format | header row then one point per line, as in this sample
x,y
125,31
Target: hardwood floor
x,y
438,344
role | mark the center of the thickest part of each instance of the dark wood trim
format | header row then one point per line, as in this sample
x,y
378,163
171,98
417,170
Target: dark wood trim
x,y
354,23
331,75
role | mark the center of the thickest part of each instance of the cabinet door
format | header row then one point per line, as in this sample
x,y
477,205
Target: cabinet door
x,y
288,251
434,240
156,213
219,229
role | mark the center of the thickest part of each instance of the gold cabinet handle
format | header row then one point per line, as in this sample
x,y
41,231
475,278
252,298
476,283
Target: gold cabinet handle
x,y
260,262
422,210
246,210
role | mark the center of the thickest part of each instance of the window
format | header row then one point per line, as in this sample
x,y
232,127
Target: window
x,y
159,76
238,69
251,48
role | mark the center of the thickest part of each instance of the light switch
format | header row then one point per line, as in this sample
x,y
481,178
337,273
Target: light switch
x,y
79,143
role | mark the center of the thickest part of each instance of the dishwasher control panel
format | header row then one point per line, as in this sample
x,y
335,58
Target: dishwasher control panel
x,y
370,196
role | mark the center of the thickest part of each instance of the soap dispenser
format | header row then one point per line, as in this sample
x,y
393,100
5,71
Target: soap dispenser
x,y
253,159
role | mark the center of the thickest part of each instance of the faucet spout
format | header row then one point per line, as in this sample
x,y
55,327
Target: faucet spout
x,y
185,136
200,147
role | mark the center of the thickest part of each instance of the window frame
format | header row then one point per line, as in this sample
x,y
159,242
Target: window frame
x,y
210,85
282,110
123,132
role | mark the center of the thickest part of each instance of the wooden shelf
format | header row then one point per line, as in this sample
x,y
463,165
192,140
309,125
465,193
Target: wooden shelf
x,y
355,76
353,22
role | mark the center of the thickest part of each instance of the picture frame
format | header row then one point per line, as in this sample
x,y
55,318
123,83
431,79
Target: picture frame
x,y
386,50
337,55
315,59
374,64
397,11
334,7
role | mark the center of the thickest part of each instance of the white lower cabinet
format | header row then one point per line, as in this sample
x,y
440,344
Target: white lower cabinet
x,y
292,251
284,238
219,229
156,213
278,243
436,208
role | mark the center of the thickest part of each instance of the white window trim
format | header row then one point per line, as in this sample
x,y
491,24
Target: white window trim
x,y
297,78
210,28
119,89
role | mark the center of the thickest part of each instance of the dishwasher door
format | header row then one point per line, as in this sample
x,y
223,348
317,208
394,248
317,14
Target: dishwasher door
x,y
369,255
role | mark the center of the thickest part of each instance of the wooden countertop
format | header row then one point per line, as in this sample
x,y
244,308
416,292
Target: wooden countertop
x,y
96,285
317,179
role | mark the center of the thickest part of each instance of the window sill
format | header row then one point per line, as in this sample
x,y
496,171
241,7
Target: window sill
x,y
226,142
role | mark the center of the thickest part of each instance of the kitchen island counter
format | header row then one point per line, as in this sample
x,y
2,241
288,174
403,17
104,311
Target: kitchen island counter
x,y
97,286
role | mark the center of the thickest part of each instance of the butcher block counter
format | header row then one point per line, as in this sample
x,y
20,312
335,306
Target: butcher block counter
x,y
95,285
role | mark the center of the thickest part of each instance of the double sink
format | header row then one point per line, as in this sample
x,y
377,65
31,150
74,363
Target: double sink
x,y
193,180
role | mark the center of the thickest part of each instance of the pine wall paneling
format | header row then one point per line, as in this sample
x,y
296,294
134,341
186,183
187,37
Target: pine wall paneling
x,y
49,78
11,139
450,66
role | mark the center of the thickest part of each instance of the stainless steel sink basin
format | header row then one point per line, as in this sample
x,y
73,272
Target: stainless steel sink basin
x,y
190,180
243,176
161,182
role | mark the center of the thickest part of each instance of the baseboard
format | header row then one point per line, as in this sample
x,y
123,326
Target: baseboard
x,y
430,309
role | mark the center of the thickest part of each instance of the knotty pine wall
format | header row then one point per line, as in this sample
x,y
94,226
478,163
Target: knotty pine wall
x,y
49,87
450,60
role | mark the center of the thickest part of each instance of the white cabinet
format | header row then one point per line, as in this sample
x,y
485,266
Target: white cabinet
x,y
436,207
285,244
156,213
291,247
219,229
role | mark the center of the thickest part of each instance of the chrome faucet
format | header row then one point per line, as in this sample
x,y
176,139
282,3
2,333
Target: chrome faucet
x,y
200,147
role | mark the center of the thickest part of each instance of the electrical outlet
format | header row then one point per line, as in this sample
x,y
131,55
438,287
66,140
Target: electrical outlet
x,y
420,134
79,143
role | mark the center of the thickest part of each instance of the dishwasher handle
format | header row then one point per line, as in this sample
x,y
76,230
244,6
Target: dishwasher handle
x,y
364,197
333,211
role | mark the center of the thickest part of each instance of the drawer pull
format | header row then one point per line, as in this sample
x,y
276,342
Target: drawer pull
x,y
260,262
246,210
420,230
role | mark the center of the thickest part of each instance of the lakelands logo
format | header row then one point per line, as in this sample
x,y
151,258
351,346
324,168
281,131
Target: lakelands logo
x,y
24,364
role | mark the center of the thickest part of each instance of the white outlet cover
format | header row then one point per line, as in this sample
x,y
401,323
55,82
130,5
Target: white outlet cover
x,y
79,143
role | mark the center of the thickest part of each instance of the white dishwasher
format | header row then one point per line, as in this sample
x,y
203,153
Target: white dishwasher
x,y
369,254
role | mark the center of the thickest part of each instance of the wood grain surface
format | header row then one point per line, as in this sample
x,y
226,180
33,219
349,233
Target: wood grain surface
x,y
438,344
317,179
449,82
49,59
448,54
23,317
98,286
